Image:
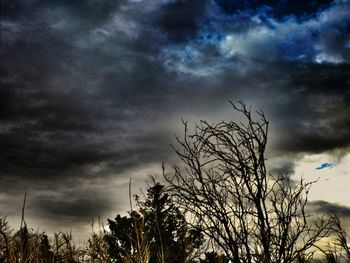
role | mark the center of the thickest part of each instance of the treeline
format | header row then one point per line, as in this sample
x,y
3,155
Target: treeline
x,y
155,232
219,205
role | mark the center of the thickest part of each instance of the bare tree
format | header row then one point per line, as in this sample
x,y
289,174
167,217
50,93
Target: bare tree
x,y
342,240
225,189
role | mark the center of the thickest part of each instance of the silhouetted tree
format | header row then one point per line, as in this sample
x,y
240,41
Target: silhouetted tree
x,y
214,257
46,255
171,240
120,239
162,226
224,186
97,247
342,248
5,240
64,249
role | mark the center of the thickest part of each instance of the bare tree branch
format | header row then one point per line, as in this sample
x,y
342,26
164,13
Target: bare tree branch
x,y
224,185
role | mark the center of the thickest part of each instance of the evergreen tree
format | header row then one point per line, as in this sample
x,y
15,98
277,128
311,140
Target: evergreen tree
x,y
158,226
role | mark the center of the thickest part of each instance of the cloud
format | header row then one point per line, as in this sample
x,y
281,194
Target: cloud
x,y
278,9
321,37
284,166
313,113
70,206
330,208
180,20
96,89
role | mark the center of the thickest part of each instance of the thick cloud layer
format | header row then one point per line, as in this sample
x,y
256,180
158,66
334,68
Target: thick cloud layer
x,y
94,90
329,208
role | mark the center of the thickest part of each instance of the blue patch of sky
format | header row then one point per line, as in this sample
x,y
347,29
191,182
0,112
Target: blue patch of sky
x,y
230,7
184,53
219,24
324,166
210,37
281,10
294,39
297,48
347,45
264,13
190,53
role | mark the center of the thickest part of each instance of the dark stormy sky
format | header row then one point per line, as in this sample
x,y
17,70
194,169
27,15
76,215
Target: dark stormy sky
x,y
93,92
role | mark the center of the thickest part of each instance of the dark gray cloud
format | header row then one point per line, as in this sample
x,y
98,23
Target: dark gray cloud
x,y
71,206
330,208
314,112
181,20
282,167
95,89
95,11
278,9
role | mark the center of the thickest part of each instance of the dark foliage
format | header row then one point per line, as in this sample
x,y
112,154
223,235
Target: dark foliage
x,y
161,225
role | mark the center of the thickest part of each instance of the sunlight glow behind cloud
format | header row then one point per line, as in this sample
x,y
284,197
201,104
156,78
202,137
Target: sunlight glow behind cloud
x,y
332,184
